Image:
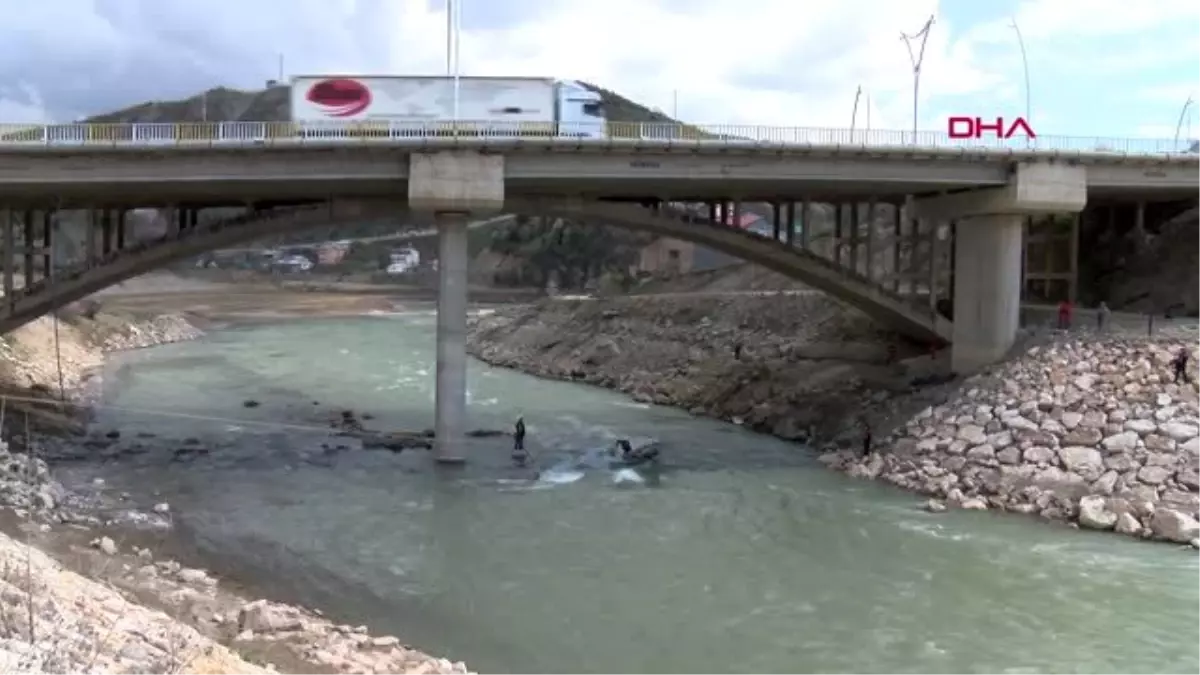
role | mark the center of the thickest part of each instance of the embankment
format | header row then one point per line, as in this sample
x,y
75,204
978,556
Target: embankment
x,y
1091,433
1094,432
76,597
789,365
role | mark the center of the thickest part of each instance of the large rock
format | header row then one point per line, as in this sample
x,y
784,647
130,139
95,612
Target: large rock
x,y
1179,431
1125,441
1174,526
1087,462
1095,514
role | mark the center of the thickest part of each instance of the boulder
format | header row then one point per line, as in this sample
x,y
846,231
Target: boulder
x,y
1095,514
1174,526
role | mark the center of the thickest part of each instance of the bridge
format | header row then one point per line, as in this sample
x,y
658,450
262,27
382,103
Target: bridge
x,y
669,180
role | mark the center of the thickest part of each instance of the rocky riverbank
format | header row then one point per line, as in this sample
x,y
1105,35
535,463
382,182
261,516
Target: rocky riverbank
x,y
75,596
1095,433
789,365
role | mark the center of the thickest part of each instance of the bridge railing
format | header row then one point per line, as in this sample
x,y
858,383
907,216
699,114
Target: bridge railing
x,y
270,133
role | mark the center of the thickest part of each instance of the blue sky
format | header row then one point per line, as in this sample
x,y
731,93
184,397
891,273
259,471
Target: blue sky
x,y
1098,68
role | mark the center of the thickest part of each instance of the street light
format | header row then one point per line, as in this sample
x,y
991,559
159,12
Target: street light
x,y
453,31
854,114
1025,63
1182,115
916,60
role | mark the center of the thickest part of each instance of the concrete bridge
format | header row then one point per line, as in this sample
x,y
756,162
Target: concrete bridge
x,y
293,182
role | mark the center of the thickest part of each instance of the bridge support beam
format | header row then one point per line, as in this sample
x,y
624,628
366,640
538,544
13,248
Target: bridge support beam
x,y
988,252
453,186
10,260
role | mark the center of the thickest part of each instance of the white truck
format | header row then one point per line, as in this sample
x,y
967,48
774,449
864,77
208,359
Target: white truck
x,y
418,105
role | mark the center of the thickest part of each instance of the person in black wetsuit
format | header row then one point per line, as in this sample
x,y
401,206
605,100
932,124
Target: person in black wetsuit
x,y
1179,363
866,425
519,454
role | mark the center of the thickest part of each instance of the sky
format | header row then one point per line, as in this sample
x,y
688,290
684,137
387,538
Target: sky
x,y
1097,68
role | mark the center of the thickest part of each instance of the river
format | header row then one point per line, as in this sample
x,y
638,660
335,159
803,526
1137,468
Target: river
x,y
744,556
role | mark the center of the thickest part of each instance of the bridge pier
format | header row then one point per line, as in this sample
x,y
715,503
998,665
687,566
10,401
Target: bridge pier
x,y
988,252
453,187
10,242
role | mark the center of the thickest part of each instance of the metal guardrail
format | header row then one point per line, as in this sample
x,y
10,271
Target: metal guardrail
x,y
1086,321
18,136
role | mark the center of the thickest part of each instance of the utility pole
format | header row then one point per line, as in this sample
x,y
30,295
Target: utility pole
x,y
1025,63
916,60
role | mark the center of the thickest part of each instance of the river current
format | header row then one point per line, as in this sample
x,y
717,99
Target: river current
x,y
741,555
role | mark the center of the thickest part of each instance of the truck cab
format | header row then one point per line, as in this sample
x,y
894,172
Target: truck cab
x,y
580,111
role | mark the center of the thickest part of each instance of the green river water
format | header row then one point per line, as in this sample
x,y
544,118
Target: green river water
x,y
745,555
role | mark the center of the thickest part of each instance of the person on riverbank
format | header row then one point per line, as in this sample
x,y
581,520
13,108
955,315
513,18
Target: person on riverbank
x,y
519,453
1064,315
1102,316
866,439
1179,364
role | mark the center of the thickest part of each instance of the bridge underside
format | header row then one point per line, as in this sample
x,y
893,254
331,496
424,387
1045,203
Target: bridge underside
x,y
888,277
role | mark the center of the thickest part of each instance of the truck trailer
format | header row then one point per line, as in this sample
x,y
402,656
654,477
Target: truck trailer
x,y
422,106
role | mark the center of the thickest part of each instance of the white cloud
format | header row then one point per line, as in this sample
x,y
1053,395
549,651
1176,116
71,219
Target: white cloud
x,y
781,63
773,62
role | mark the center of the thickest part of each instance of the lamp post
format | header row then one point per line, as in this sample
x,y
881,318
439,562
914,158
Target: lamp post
x,y
453,31
1025,64
916,60
1182,115
854,113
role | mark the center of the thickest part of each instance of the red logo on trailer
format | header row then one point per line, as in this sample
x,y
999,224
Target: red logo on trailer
x,y
339,98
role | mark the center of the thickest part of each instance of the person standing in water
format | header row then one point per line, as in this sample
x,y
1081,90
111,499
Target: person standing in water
x,y
519,454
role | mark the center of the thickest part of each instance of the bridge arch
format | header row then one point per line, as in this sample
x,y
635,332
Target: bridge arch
x,y
77,282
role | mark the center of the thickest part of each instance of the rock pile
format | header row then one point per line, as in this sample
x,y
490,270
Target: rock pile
x,y
53,620
1093,433
159,330
25,482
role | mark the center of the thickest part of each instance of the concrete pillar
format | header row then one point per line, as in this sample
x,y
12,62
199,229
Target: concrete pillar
x,y
854,224
121,220
987,293
47,244
934,227
453,186
10,260
1073,282
897,239
89,238
790,234
988,251
29,239
777,219
869,272
451,397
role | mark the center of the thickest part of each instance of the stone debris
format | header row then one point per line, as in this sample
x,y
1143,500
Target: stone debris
x,y
1094,433
54,620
